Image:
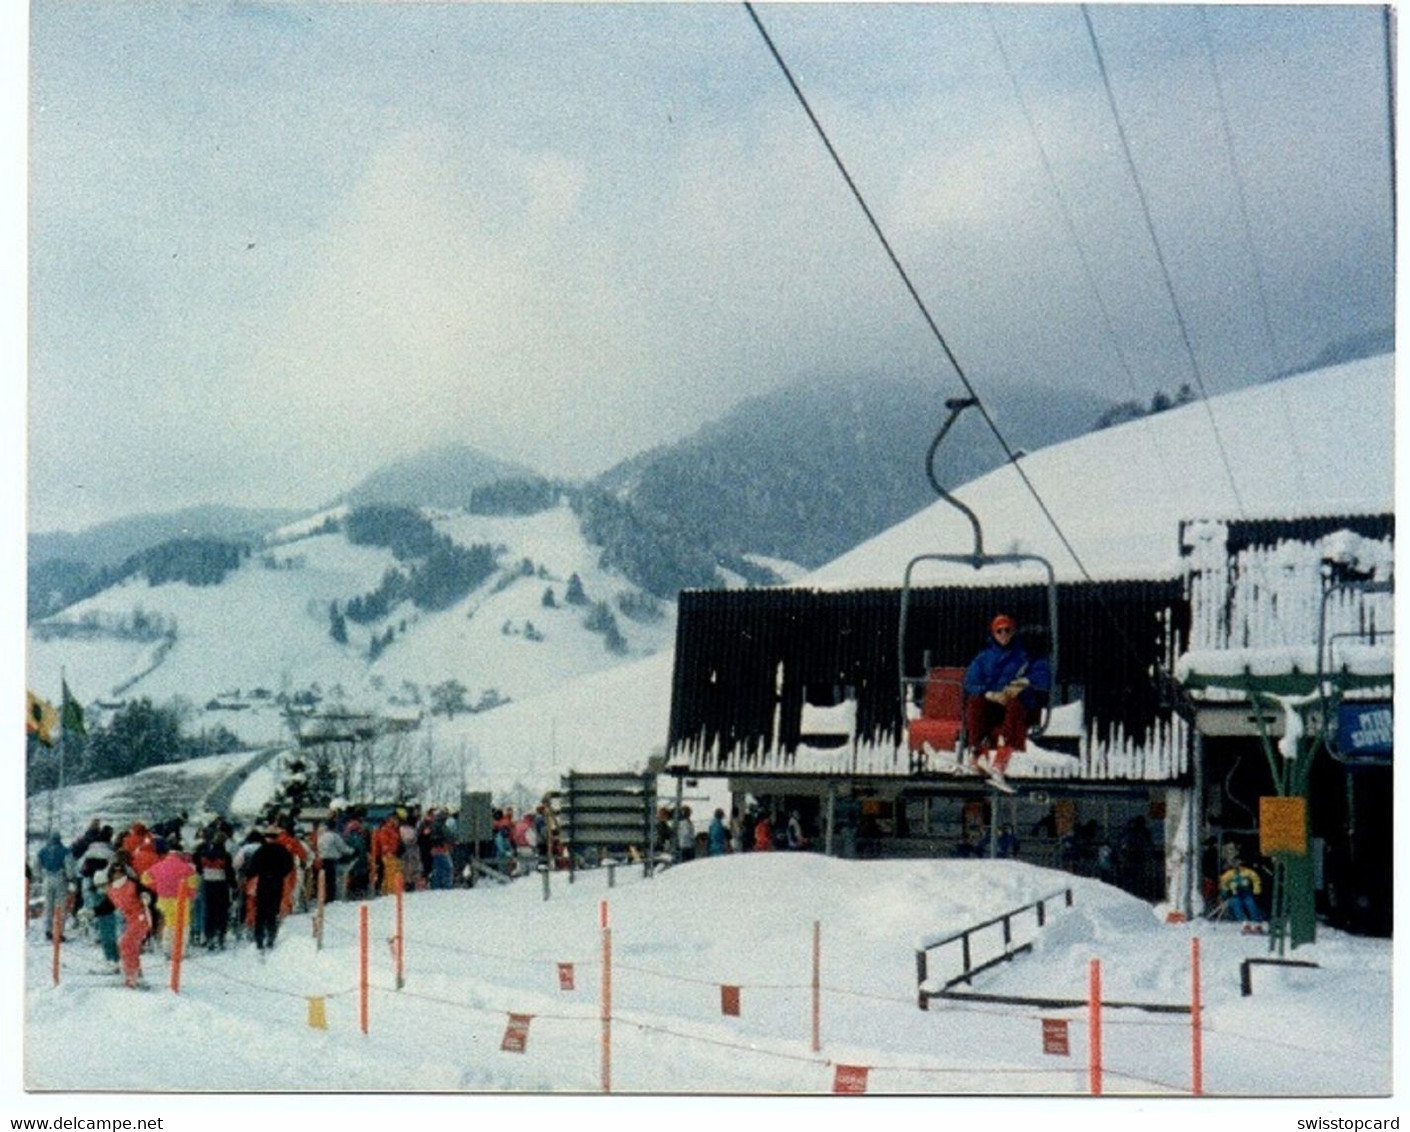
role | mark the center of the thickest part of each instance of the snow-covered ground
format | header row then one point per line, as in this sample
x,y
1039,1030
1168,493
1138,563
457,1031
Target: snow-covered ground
x,y
473,958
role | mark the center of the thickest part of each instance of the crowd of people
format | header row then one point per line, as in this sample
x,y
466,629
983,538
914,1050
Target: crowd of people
x,y
749,830
124,887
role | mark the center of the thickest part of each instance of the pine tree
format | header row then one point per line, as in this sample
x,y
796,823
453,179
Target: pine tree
x,y
339,624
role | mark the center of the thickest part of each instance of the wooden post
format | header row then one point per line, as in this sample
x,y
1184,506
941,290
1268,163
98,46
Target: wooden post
x,y
817,985
400,948
362,967
178,943
1094,1028
923,1000
606,1002
1196,1032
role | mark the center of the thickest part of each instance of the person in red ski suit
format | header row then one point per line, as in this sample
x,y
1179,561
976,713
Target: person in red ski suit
x,y
126,897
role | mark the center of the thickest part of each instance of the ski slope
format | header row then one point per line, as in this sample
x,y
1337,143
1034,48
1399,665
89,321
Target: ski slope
x,y
474,957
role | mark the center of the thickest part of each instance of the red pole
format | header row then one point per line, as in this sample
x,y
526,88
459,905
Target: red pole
x,y
606,1002
322,900
178,943
57,926
1094,1028
1196,1033
362,967
817,985
401,940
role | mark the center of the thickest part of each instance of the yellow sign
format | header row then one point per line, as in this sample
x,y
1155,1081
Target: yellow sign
x,y
1282,825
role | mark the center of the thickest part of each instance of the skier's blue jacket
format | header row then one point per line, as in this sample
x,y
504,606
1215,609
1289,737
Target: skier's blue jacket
x,y
997,666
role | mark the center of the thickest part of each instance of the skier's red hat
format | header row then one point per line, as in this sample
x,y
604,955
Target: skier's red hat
x,y
1002,621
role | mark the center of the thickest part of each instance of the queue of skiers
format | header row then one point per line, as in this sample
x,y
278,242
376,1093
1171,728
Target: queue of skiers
x,y
752,830
125,887
535,834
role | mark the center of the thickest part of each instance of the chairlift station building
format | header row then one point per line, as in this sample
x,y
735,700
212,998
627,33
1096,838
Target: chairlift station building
x,y
793,695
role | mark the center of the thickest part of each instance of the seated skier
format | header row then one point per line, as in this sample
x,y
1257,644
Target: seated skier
x,y
1005,690
1239,888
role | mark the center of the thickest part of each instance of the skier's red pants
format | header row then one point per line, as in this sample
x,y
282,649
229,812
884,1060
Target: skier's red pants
x,y
130,948
988,724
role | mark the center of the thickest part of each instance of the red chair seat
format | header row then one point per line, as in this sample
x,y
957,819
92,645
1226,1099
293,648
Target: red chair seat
x,y
937,734
941,719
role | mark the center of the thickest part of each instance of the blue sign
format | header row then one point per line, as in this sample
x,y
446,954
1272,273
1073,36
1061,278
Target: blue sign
x,y
1365,731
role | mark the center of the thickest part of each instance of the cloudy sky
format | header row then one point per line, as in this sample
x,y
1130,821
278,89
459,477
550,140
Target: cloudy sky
x,y
275,246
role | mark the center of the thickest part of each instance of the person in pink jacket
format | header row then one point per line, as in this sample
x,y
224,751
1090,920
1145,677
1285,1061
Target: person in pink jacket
x,y
167,876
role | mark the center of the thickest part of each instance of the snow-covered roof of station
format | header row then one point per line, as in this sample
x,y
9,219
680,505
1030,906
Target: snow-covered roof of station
x,y
1317,444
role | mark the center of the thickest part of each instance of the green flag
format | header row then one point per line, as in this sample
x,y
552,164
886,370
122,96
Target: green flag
x,y
72,714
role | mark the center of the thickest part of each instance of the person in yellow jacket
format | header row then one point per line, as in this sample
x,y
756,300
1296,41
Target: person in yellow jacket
x,y
1239,887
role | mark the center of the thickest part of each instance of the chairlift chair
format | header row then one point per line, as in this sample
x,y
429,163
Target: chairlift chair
x,y
940,725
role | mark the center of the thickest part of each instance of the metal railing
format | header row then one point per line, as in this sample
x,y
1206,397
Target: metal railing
x,y
965,936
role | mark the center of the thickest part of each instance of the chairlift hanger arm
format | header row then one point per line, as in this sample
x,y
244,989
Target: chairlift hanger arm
x,y
956,405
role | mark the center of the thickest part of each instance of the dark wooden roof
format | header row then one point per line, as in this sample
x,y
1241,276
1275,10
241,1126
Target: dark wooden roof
x,y
741,654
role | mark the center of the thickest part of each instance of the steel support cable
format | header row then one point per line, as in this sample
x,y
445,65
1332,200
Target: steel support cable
x,y
1009,453
1160,259
1069,222
1388,25
940,338
1259,282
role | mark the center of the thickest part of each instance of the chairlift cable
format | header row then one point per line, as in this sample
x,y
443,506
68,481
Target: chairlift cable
x,y
1388,26
1009,453
1161,261
1260,283
935,330
1065,211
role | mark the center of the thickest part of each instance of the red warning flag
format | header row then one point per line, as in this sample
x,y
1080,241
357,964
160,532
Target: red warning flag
x,y
565,976
729,1001
516,1034
850,1079
1055,1036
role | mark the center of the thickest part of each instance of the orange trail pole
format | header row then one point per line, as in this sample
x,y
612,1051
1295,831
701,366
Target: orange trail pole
x,y
1094,1029
606,1003
362,967
58,929
1196,1031
817,985
401,939
178,942
322,900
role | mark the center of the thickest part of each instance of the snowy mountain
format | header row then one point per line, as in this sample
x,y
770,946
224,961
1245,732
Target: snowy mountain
x,y
266,630
438,477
